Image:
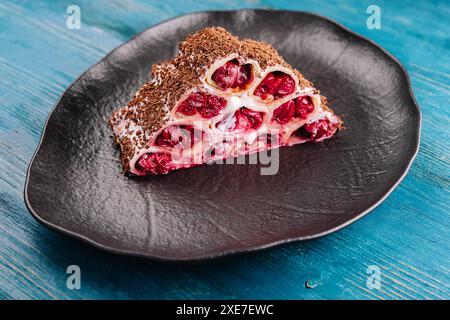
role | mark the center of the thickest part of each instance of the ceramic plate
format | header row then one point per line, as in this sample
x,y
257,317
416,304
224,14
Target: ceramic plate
x,y
74,182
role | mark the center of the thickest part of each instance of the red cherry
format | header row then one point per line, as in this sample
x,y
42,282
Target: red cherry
x,y
284,113
207,105
194,101
226,76
247,119
183,135
303,106
243,119
154,163
286,87
232,75
213,106
243,77
316,130
187,109
277,84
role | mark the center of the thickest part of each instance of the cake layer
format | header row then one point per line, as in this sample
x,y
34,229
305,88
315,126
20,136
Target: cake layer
x,y
219,97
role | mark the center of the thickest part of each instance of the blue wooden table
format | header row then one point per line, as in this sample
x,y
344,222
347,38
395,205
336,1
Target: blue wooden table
x,y
406,238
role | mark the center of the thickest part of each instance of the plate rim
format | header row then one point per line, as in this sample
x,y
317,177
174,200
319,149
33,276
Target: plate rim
x,y
209,256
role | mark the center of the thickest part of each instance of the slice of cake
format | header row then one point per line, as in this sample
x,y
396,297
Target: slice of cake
x,y
219,97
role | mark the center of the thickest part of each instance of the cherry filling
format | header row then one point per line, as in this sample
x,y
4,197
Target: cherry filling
x,y
276,84
183,136
300,107
243,119
207,105
284,113
316,130
232,75
154,163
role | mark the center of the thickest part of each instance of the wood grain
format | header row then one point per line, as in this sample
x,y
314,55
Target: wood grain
x,y
407,236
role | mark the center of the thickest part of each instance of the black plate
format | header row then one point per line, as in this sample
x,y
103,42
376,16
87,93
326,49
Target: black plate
x,y
74,184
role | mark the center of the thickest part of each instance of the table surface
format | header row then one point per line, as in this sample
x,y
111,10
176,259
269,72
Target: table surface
x,y
406,237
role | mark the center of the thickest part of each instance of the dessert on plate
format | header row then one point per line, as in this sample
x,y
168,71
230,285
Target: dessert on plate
x,y
220,97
